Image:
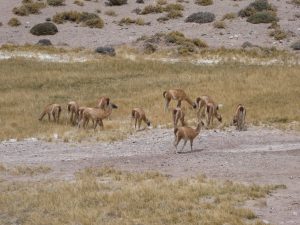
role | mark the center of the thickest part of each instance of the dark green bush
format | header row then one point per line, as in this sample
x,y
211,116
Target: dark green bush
x,y
200,17
44,29
256,6
262,17
55,2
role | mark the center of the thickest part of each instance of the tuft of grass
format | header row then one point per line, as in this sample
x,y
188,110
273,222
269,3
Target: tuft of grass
x,y
296,2
79,2
28,7
262,17
278,34
229,16
219,24
29,170
149,9
109,196
204,2
110,13
55,2
161,2
255,7
14,22
128,21
174,14
91,20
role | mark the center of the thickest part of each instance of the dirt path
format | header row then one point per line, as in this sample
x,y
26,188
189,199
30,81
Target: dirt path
x,y
259,155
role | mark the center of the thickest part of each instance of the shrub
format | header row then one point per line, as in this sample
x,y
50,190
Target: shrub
x,y
296,2
161,2
256,6
126,21
78,2
14,22
199,43
219,24
117,2
110,13
200,17
140,21
149,48
55,2
278,34
204,2
94,23
173,7
91,20
262,17
296,45
229,16
46,28
152,9
44,42
28,8
174,14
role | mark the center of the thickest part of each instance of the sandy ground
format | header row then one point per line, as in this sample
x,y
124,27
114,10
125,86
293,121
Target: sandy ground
x,y
259,155
237,31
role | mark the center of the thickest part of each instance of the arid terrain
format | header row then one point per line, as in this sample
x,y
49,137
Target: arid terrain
x,y
259,155
236,31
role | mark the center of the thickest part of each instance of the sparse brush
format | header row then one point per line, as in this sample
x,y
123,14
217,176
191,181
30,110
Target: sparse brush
x,y
278,34
114,197
110,13
126,21
204,2
78,2
296,2
219,24
55,2
174,7
262,17
29,8
174,14
229,16
161,2
152,9
14,22
256,6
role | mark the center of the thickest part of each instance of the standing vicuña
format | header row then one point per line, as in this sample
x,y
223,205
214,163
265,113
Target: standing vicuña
x,y
96,115
239,117
73,108
201,103
139,115
51,109
176,94
103,102
211,112
178,114
186,133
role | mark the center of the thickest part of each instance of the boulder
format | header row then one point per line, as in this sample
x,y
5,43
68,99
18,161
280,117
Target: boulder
x,y
106,50
44,42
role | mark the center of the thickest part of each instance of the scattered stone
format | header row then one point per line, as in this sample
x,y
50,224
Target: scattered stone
x,y
265,221
48,19
247,44
200,17
46,28
140,1
44,42
106,51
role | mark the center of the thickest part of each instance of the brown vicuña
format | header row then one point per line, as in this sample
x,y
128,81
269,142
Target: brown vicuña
x,y
96,115
51,109
239,117
138,115
211,112
186,133
176,94
73,109
178,114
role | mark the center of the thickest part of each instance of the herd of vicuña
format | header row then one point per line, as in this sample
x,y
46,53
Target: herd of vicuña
x,y
206,108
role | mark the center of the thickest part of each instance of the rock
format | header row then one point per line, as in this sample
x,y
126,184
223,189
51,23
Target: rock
x,y
48,19
106,50
140,1
296,45
247,44
46,28
44,42
265,221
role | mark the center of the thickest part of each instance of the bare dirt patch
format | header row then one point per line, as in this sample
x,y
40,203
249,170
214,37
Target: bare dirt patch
x,y
259,155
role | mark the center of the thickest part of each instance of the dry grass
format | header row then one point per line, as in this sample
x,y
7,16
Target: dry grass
x,y
270,93
22,170
107,196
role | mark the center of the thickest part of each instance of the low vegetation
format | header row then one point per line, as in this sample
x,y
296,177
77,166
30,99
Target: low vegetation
x,y
204,2
55,2
170,8
257,6
219,24
229,16
128,21
79,2
262,17
14,22
152,9
25,90
91,20
23,170
116,2
108,196
46,28
29,7
278,34
296,2
201,17
110,13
